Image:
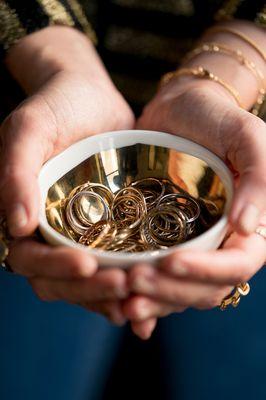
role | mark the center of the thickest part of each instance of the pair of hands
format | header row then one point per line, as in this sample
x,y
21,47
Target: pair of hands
x,y
69,107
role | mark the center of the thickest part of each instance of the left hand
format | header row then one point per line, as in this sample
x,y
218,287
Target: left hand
x,y
199,280
203,113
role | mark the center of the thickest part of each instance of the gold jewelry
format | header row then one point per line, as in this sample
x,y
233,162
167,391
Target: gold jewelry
x,y
148,214
233,299
214,47
261,230
202,73
4,242
245,38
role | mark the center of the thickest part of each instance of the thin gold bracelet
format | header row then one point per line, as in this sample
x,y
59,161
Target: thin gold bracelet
x,y
216,48
202,73
245,38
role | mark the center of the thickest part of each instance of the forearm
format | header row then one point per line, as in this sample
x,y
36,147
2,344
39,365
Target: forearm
x,y
43,54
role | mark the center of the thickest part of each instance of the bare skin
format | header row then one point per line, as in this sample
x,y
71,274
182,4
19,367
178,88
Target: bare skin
x,y
73,97
206,113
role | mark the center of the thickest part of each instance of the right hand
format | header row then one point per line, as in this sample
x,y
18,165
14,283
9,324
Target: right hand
x,y
65,108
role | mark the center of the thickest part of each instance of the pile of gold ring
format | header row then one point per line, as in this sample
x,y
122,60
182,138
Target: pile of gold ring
x,y
148,214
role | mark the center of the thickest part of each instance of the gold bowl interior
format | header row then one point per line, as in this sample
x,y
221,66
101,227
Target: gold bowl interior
x,y
117,168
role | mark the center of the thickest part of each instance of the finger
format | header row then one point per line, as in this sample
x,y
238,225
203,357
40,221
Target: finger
x,y
33,259
145,280
112,310
249,160
238,261
141,308
24,138
104,285
144,329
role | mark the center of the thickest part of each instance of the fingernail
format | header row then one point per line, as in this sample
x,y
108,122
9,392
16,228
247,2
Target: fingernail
x,y
143,284
249,219
178,268
17,219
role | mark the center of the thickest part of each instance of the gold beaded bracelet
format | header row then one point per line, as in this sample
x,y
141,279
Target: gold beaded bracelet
x,y
213,47
245,38
202,73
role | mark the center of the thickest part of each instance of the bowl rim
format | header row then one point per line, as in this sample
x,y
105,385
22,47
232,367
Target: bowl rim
x,y
130,138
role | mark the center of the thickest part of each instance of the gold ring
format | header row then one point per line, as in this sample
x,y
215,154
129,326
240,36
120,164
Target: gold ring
x,y
146,214
233,299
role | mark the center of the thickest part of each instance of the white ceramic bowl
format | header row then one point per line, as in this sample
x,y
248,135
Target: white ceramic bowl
x,y
60,165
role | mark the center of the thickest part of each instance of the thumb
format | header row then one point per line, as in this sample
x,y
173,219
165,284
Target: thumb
x,y
249,159
235,135
24,148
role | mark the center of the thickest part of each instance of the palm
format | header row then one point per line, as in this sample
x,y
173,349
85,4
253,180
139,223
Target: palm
x,y
75,109
205,116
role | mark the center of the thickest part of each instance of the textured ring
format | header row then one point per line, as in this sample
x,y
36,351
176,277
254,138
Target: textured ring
x,y
233,299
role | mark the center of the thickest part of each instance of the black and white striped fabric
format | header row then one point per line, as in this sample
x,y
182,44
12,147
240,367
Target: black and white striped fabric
x,y
139,40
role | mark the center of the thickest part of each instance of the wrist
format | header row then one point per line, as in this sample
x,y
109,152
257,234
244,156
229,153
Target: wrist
x,y
185,84
234,67
229,68
43,54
